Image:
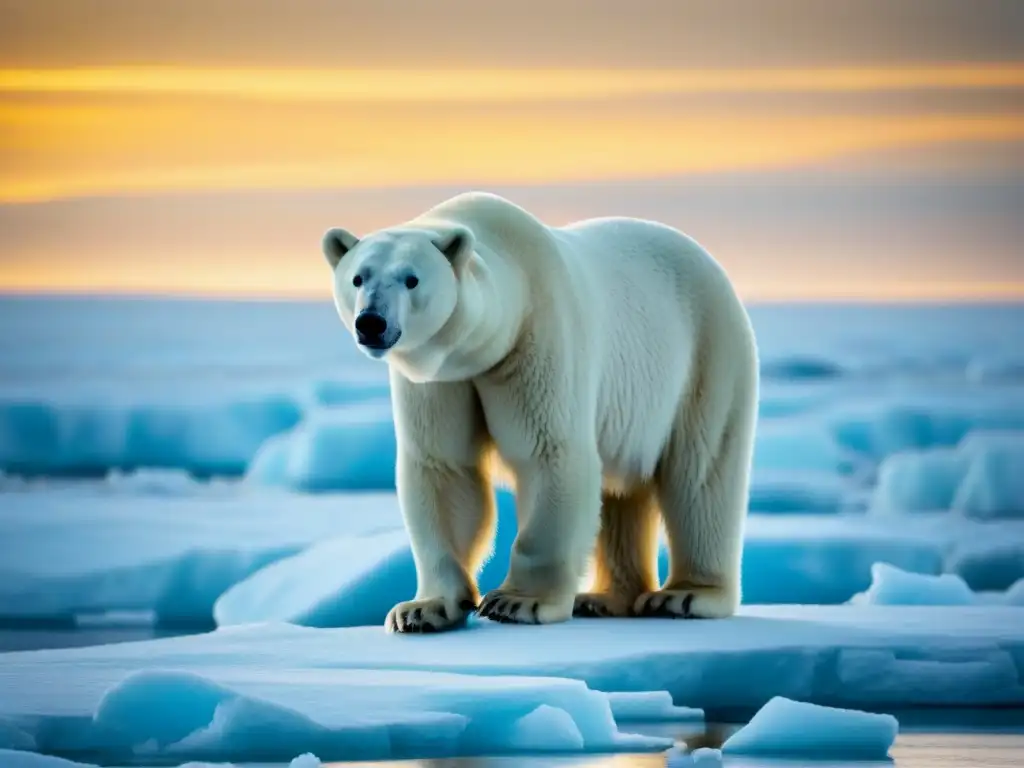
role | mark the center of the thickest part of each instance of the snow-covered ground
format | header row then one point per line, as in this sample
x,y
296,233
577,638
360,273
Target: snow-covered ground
x,y
229,465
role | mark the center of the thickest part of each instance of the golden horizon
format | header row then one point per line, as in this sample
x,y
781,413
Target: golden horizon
x,y
890,293
60,152
79,133
498,84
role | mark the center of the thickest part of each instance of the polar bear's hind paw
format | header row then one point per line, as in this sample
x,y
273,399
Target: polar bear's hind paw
x,y
596,605
686,603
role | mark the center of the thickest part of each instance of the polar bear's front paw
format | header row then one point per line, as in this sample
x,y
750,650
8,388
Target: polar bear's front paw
x,y
433,615
513,608
592,605
687,603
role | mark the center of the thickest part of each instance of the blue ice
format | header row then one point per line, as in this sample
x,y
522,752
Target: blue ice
x,y
982,477
786,728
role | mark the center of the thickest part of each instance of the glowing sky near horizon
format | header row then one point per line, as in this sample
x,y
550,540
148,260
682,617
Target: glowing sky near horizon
x,y
820,151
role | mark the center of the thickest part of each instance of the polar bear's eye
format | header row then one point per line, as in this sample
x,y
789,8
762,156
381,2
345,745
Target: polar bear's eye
x,y
357,281
411,282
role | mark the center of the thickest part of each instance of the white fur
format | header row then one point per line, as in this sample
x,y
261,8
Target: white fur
x,y
607,366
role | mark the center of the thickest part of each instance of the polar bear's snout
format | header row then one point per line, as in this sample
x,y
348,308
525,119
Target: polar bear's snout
x,y
374,332
371,327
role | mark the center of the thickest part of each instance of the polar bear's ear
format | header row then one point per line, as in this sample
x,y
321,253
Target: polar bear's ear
x,y
457,247
337,242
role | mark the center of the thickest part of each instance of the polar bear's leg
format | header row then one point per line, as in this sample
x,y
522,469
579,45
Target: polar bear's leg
x,y
626,557
559,499
450,516
703,496
446,499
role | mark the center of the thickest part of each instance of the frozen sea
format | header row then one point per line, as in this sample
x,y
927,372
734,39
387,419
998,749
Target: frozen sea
x,y
199,540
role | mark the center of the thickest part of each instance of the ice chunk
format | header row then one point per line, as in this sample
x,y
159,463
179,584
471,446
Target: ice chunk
x,y
348,448
545,729
650,706
702,757
76,551
882,428
307,760
983,477
344,582
203,438
15,759
258,709
993,485
799,445
13,737
919,481
989,565
893,586
349,581
183,713
1015,594
785,728
827,559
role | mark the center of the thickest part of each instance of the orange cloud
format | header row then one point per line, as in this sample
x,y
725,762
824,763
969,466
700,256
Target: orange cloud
x,y
60,150
481,86
496,85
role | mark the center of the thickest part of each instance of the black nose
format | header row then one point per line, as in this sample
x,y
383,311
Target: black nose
x,y
371,325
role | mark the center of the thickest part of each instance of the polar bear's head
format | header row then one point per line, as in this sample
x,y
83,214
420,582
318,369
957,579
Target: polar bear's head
x,y
396,288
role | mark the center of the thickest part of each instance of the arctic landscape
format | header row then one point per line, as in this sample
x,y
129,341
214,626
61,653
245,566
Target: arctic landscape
x,y
200,540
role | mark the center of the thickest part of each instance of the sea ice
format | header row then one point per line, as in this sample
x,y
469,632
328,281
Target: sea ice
x,y
991,563
13,737
361,693
74,551
885,426
55,438
799,444
982,477
786,728
349,448
12,759
783,492
993,485
893,586
344,582
16,759
332,392
702,757
216,700
649,706
67,552
918,481
349,581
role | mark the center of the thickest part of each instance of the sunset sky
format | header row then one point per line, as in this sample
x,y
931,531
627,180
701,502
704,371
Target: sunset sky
x,y
850,149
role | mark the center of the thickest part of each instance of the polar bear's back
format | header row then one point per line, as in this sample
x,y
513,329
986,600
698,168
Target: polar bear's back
x,y
670,322
643,307
622,255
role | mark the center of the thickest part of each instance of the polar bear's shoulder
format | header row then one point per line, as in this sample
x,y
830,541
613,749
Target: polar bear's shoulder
x,y
492,219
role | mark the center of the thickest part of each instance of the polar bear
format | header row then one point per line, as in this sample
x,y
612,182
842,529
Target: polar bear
x,y
607,368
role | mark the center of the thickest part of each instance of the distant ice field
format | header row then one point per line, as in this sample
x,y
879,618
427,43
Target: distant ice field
x,y
228,468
